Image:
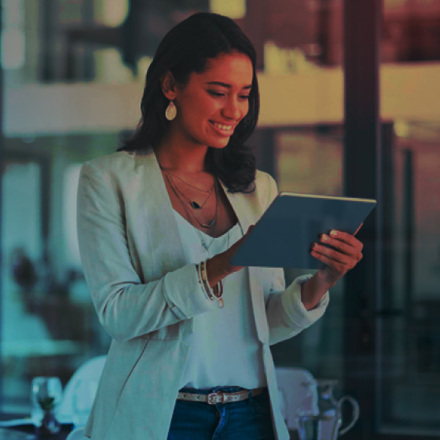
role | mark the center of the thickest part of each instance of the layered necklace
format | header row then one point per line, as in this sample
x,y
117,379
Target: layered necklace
x,y
191,206
192,203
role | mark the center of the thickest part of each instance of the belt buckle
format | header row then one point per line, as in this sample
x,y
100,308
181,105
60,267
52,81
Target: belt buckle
x,y
215,398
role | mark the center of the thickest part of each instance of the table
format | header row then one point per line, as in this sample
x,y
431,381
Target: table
x,y
27,432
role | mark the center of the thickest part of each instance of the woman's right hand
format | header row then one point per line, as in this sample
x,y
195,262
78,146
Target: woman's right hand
x,y
219,266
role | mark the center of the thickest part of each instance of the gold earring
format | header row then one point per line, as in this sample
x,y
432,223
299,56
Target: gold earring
x,y
171,111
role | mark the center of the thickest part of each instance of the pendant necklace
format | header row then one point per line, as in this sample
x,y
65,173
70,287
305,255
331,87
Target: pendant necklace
x,y
205,245
193,203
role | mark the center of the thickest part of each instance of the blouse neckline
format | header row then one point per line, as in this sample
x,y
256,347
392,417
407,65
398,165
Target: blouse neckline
x,y
182,218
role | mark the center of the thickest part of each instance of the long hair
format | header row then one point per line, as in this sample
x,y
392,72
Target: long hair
x,y
186,49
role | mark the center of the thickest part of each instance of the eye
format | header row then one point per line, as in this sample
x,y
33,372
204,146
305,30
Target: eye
x,y
244,97
215,93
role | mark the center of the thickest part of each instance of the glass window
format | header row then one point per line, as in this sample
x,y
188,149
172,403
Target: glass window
x,y
309,161
409,364
44,294
409,329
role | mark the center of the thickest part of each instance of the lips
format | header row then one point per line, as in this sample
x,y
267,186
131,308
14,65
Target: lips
x,y
225,129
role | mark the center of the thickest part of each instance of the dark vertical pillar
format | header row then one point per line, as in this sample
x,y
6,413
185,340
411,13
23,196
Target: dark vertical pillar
x,y
264,142
87,13
362,178
386,309
388,211
47,72
408,215
323,29
1,211
254,25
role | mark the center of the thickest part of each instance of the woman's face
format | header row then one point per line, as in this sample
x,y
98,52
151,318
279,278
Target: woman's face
x,y
213,102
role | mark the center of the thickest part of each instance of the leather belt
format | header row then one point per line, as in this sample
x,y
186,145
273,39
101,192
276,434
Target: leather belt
x,y
219,396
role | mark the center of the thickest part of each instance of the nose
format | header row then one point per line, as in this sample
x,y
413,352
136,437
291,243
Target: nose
x,y
232,109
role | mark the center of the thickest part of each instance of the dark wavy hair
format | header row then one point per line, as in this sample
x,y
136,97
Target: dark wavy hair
x,y
186,49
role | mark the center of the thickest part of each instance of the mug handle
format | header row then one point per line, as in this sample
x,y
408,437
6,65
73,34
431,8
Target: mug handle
x,y
356,411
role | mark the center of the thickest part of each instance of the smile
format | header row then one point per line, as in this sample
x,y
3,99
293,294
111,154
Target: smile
x,y
223,128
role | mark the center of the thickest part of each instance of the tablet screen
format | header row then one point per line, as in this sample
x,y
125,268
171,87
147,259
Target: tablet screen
x,y
285,232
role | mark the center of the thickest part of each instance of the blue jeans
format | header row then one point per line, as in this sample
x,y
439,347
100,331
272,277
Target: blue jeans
x,y
246,420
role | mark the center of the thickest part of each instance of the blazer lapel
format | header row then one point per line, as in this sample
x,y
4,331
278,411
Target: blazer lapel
x,y
157,213
246,218
244,215
157,230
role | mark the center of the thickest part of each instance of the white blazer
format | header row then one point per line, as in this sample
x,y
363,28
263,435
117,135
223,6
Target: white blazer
x,y
146,294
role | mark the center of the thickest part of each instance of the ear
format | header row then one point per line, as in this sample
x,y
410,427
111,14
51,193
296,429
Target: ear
x,y
168,85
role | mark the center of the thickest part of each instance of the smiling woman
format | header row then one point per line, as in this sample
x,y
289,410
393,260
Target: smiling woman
x,y
211,104
208,109
189,54
158,223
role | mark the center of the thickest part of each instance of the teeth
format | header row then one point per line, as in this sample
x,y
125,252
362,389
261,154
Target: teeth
x,y
223,127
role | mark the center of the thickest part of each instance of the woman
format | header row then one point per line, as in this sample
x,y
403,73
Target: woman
x,y
158,223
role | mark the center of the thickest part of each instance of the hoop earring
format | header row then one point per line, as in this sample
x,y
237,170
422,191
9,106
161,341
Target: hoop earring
x,y
171,111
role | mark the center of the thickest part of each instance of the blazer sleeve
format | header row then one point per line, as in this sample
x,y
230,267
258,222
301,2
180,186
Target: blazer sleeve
x,y
126,307
286,314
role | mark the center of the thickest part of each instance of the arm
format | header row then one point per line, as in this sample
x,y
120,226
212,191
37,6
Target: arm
x,y
127,307
307,298
287,315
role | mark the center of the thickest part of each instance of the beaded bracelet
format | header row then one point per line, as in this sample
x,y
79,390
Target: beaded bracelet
x,y
217,291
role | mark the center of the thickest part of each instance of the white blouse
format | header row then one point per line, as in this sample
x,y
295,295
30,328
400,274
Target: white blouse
x,y
224,347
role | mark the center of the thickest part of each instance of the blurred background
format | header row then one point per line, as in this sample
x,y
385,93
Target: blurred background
x,y
72,77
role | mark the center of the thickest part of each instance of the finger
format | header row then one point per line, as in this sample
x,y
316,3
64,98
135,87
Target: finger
x,y
352,248
330,255
340,266
346,238
350,260
331,264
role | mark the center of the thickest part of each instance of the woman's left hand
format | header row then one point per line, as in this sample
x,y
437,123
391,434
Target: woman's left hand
x,y
345,252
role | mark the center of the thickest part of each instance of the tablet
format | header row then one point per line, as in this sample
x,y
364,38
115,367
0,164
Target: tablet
x,y
285,232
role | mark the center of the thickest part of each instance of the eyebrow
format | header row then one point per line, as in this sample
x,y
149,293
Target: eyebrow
x,y
222,84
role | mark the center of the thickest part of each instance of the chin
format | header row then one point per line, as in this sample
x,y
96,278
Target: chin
x,y
218,145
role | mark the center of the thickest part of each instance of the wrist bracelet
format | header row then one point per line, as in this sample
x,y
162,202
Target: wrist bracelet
x,y
199,273
217,291
205,283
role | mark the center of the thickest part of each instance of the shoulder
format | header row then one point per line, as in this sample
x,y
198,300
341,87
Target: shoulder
x,y
253,203
119,165
264,179
266,188
110,162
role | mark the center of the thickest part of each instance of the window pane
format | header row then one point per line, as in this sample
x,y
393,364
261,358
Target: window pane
x,y
49,325
309,161
410,367
408,327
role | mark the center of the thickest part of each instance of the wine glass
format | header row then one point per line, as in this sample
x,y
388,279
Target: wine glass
x,y
46,395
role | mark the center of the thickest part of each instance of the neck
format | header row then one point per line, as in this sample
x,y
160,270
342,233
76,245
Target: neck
x,y
178,155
